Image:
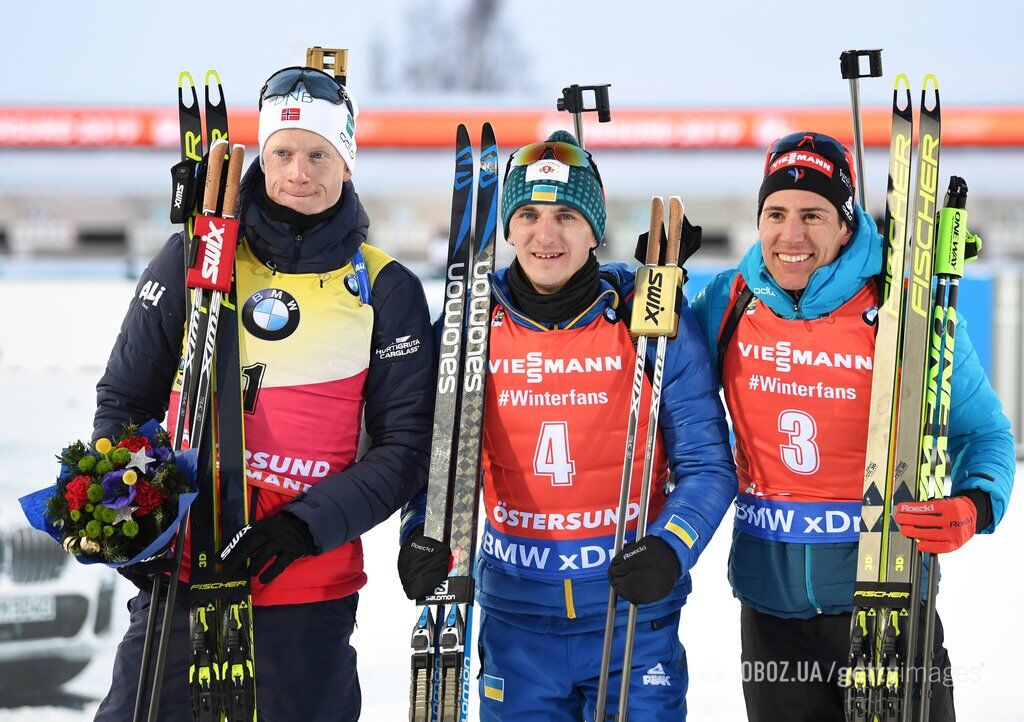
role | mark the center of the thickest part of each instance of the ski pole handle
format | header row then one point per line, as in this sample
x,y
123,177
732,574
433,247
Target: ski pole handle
x,y
214,173
572,102
655,231
231,188
850,67
675,230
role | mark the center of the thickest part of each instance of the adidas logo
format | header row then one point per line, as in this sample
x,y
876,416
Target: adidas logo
x,y
656,677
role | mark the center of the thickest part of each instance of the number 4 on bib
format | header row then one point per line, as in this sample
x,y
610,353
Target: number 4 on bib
x,y
552,457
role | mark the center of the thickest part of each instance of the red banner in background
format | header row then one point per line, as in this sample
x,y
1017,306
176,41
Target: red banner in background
x,y
428,128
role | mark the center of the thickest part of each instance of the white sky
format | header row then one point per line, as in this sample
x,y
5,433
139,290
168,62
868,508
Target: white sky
x,y
654,53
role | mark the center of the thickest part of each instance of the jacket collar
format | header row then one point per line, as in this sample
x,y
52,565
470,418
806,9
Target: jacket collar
x,y
607,298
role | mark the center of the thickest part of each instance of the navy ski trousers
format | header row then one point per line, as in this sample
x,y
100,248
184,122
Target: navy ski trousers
x,y
305,666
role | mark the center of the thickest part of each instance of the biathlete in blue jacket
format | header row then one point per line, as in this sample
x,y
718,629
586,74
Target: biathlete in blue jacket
x,y
558,393
341,333
796,370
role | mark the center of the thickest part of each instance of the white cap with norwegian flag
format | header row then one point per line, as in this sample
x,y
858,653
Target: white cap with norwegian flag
x,y
334,122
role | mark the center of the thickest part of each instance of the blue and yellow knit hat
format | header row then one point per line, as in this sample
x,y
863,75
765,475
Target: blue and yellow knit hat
x,y
558,172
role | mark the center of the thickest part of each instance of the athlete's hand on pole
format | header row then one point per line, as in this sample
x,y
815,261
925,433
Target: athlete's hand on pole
x,y
940,525
645,570
423,563
282,538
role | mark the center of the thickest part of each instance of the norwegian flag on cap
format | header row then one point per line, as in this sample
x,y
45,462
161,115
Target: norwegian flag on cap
x,y
290,113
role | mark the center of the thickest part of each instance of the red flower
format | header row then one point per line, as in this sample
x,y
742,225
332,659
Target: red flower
x,y
134,443
148,497
76,492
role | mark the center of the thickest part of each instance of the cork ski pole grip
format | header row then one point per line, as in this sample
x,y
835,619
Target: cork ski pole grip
x,y
231,188
675,230
657,227
214,173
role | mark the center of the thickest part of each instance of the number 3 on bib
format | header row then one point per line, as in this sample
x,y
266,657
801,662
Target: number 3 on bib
x,y
552,456
800,455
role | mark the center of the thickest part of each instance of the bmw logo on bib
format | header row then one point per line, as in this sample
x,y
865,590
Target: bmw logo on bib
x,y
271,314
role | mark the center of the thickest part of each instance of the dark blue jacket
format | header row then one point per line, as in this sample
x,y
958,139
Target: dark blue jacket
x,y
801,580
398,393
696,443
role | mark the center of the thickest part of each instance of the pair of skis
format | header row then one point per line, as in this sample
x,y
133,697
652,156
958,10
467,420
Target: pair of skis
x,y
441,638
221,677
906,458
655,315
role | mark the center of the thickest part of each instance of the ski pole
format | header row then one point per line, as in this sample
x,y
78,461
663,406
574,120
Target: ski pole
x,y
954,245
653,257
572,102
654,315
849,65
659,290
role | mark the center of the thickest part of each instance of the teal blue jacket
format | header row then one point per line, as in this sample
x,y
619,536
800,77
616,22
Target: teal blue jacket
x,y
798,580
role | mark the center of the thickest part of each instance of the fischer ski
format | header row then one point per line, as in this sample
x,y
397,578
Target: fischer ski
x,y
208,416
890,593
867,661
907,457
442,643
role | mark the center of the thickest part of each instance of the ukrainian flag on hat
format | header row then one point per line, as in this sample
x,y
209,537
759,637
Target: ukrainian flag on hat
x,y
582,190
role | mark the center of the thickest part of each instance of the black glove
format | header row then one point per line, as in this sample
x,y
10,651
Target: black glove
x,y
282,537
423,563
142,574
689,243
645,570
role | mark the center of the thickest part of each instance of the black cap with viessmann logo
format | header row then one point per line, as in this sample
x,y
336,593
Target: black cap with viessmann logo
x,y
811,162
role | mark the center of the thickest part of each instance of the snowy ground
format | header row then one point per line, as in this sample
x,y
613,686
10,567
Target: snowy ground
x,y
47,397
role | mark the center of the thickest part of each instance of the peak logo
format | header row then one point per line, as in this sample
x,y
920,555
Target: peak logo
x,y
657,677
535,366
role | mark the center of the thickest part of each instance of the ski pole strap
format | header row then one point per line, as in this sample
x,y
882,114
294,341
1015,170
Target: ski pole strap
x,y
732,321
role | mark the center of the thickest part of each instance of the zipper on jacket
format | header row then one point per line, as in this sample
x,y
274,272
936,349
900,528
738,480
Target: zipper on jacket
x,y
295,255
807,578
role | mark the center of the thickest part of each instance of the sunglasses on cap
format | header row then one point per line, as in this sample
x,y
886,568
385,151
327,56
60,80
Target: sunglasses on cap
x,y
823,145
554,150
317,83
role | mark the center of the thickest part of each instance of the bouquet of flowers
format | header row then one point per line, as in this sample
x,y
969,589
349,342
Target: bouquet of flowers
x,y
116,502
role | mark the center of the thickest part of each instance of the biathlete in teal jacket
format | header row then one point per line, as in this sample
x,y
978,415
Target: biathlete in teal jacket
x,y
796,371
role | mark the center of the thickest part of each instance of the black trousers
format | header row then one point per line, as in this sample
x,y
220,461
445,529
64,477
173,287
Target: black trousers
x,y
792,668
305,666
